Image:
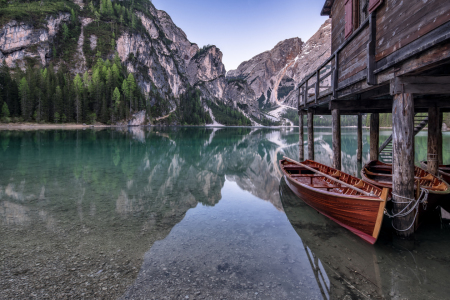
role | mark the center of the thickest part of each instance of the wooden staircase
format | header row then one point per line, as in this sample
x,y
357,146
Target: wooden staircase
x,y
385,151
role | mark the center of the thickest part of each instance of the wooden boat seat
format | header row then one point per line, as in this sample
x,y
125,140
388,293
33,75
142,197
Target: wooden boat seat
x,y
381,167
337,174
359,185
442,187
326,186
306,175
429,177
376,174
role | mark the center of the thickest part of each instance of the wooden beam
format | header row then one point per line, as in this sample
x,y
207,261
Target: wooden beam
x,y
305,93
317,85
352,80
301,134
379,91
321,111
403,160
360,104
336,75
310,135
371,46
359,150
433,132
421,85
441,120
429,40
336,128
426,103
374,135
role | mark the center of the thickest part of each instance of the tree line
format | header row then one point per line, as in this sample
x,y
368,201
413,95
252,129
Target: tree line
x,y
108,94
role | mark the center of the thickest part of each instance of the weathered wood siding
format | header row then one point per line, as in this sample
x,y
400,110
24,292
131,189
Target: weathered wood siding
x,y
400,22
337,25
353,58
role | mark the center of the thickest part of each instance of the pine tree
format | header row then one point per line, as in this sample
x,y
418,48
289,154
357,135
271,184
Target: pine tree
x,y
126,90
110,7
65,31
24,93
131,89
73,17
57,103
5,110
78,86
115,103
115,72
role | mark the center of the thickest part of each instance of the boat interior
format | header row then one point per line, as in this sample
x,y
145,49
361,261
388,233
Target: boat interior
x,y
317,181
383,173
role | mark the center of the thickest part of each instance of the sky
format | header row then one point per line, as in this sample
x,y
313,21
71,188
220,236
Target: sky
x,y
244,28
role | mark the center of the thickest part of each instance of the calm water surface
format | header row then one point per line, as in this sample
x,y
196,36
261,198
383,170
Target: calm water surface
x,y
192,213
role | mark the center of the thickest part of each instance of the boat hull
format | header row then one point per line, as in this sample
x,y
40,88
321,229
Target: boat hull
x,y
444,175
435,198
359,215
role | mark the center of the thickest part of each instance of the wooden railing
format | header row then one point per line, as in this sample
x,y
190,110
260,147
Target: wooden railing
x,y
324,80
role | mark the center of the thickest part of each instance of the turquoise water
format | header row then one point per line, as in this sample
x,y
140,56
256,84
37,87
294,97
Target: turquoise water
x,y
191,213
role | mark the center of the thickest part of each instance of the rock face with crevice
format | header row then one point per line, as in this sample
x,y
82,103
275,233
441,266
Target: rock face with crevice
x,y
19,40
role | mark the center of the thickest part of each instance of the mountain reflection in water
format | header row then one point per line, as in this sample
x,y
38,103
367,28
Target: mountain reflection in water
x,y
80,212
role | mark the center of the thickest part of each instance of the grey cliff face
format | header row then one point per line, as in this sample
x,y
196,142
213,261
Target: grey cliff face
x,y
206,67
265,71
273,75
17,38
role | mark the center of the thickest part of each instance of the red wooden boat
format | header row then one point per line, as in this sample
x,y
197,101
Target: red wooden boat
x,y
444,170
380,174
347,200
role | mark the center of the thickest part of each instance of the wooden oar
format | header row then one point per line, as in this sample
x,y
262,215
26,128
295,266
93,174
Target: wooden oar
x,y
329,177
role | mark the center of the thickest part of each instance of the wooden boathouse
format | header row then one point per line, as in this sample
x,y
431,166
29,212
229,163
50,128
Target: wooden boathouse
x,y
388,56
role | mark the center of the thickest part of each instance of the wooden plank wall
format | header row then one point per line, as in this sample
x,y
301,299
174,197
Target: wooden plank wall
x,y
353,58
337,25
400,22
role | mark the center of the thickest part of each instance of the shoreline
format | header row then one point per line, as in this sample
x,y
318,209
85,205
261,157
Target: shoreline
x,y
73,126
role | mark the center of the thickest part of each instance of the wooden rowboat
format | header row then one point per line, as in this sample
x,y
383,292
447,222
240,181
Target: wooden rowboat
x,y
380,174
347,200
444,170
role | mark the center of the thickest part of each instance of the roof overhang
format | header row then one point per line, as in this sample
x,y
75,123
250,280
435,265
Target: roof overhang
x,y
326,10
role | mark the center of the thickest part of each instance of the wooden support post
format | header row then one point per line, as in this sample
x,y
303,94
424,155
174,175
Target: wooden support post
x,y
317,91
305,92
359,151
374,135
310,135
301,137
433,133
336,76
371,49
403,161
336,127
441,120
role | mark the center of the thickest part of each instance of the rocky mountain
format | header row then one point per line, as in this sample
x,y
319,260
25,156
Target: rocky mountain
x,y
164,62
274,74
146,42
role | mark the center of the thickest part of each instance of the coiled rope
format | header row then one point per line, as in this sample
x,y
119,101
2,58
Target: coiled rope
x,y
413,204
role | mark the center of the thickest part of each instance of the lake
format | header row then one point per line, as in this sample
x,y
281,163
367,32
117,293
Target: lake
x,y
193,213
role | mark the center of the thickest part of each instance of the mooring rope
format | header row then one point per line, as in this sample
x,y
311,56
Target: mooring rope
x,y
413,204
